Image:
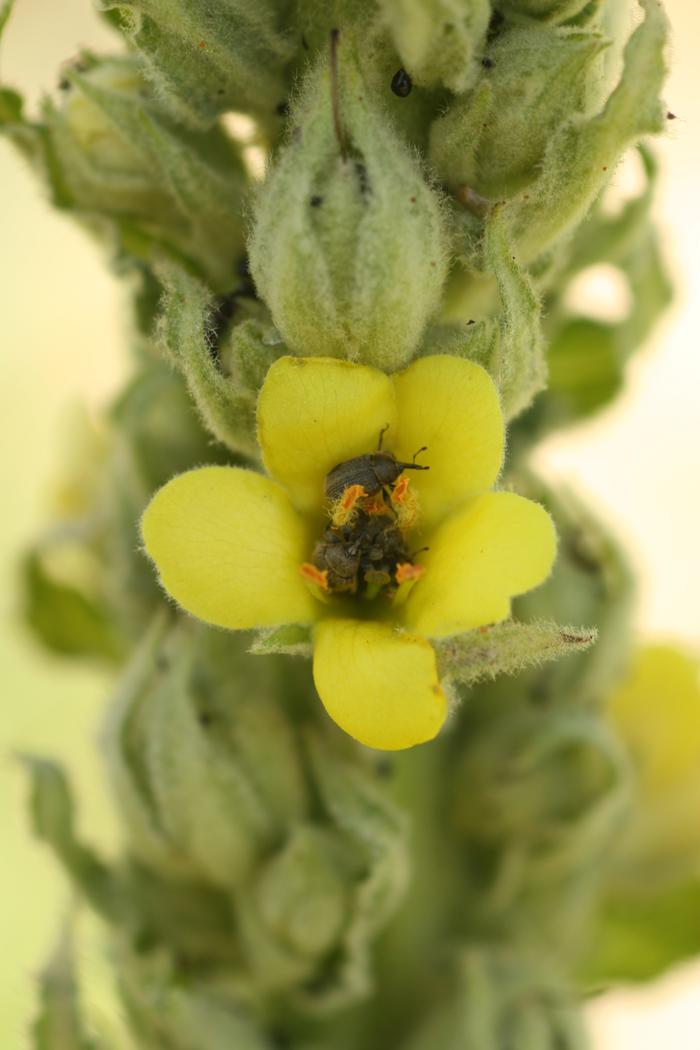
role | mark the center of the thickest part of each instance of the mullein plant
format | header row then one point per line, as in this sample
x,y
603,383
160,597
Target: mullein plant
x,y
387,765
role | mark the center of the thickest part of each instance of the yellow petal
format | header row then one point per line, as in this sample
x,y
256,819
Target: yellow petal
x,y
496,546
451,405
379,685
315,412
656,709
228,544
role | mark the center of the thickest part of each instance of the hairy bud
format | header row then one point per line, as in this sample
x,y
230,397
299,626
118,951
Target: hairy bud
x,y
121,163
547,10
496,997
348,247
205,58
493,139
438,40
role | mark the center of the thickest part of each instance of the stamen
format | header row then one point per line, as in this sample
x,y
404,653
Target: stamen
x,y
345,508
314,576
407,571
400,489
404,500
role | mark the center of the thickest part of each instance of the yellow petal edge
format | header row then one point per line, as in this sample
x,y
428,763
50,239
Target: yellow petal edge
x,y
315,412
451,405
379,685
227,544
494,547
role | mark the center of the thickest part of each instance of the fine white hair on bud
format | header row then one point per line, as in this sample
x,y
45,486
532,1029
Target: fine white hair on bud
x,y
118,159
496,148
439,41
348,246
209,56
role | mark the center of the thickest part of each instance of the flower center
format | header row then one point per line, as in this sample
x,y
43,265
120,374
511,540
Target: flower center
x,y
364,549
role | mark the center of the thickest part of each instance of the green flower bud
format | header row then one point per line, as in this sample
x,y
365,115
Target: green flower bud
x,y
582,154
295,912
309,917
558,798
438,40
205,770
348,248
166,1010
547,10
496,998
493,140
122,164
208,57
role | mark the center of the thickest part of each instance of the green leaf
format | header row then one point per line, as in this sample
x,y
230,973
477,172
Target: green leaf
x,y
585,369
642,935
52,812
59,1025
66,620
227,411
11,105
5,12
508,648
518,362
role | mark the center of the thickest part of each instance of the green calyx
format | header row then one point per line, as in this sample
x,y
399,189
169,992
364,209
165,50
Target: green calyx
x,y
323,251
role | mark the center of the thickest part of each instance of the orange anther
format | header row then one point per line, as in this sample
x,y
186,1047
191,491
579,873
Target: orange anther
x,y
351,495
406,571
344,509
313,575
400,489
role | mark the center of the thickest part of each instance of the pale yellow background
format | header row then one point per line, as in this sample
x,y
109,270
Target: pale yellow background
x,y
61,335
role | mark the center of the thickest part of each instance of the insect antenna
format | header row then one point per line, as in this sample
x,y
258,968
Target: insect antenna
x,y
382,432
413,465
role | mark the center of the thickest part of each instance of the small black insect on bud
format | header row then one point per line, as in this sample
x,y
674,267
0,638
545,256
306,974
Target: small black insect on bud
x,y
282,109
316,201
487,63
401,83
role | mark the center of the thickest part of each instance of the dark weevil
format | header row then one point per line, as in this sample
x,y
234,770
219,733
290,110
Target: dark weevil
x,y
374,471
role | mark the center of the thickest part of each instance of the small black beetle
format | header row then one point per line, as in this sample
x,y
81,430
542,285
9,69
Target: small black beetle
x,y
401,83
374,471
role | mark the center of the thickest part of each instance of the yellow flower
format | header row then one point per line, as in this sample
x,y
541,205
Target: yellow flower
x,y
229,543
656,710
